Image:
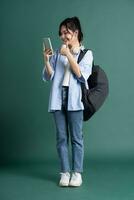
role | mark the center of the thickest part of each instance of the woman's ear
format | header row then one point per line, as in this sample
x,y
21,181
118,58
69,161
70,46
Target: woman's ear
x,y
76,33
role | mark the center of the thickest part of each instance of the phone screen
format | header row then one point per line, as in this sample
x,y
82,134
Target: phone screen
x,y
47,44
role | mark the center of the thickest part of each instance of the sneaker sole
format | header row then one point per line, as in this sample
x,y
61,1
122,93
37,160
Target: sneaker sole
x,y
75,185
63,185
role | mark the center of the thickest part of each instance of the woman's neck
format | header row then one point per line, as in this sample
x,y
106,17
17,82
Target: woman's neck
x,y
75,45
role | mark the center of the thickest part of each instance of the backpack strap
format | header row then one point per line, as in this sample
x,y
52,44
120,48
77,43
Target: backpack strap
x,y
81,55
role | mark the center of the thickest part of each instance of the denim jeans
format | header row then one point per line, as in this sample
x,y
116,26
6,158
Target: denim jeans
x,y
69,124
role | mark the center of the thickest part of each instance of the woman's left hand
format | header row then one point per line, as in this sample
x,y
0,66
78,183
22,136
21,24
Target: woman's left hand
x,y
64,50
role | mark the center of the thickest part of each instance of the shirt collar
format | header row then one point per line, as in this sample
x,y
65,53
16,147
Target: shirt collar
x,y
81,49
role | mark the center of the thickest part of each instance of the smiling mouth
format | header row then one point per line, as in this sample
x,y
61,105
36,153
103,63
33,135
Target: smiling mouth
x,y
64,42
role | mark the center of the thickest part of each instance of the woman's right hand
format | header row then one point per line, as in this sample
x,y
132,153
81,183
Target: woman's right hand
x,y
47,53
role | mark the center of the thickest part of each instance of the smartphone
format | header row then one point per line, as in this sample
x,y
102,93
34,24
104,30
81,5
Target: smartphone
x,y
47,44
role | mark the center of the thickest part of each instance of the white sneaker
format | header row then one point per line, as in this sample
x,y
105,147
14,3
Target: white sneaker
x,y
76,179
65,178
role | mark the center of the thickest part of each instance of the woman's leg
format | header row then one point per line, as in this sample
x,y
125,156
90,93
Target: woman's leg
x,y
62,134
62,139
75,121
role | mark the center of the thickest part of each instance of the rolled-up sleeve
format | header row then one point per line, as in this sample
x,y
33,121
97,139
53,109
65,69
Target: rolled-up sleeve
x,y
86,66
45,76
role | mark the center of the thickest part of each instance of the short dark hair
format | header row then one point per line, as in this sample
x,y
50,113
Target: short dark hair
x,y
73,24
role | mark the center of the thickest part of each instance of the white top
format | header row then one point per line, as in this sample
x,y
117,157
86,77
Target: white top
x,y
67,73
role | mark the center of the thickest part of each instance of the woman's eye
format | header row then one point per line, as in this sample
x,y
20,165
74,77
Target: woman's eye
x,y
64,33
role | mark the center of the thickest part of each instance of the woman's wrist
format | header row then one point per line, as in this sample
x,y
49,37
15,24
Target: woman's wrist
x,y
69,55
46,61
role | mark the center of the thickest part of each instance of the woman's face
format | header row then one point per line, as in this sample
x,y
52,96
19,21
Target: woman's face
x,y
68,37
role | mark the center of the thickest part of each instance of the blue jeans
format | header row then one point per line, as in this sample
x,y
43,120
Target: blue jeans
x,y
69,123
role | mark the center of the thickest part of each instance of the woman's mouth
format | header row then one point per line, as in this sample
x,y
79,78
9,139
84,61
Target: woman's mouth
x,y
64,41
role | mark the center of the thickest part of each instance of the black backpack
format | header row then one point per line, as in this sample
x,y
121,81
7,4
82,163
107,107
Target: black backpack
x,y
98,89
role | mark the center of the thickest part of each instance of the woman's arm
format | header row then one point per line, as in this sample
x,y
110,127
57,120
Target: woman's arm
x,y
48,67
48,70
84,68
73,63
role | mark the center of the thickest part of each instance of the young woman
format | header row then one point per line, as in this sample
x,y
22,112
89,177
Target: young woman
x,y
65,98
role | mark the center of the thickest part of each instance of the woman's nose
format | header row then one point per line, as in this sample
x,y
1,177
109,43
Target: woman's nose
x,y
62,37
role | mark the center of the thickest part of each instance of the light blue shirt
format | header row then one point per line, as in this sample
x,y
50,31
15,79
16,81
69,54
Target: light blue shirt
x,y
74,92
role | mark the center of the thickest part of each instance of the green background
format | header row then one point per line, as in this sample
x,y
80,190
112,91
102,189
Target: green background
x,y
27,132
